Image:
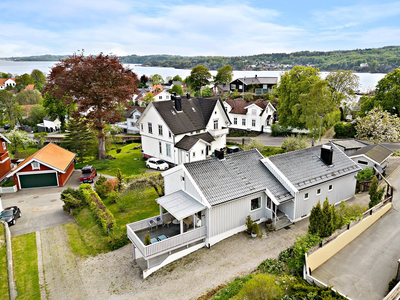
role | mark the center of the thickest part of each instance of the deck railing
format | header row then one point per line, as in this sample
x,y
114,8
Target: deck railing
x,y
166,245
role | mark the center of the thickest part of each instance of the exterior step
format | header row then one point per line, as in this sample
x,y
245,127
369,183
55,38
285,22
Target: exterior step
x,y
282,222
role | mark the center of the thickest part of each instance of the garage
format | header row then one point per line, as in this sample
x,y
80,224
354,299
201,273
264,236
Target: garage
x,y
38,180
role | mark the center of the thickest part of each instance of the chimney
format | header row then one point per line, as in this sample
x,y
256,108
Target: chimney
x,y
219,154
327,154
178,102
188,95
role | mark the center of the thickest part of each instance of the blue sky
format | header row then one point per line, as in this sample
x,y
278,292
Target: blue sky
x,y
178,27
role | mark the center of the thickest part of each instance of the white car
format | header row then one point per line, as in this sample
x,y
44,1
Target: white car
x,y
157,164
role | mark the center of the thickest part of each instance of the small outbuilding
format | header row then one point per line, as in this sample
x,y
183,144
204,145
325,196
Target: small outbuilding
x,y
375,155
49,166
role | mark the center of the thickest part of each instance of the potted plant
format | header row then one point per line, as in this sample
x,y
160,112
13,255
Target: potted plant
x,y
255,230
147,240
268,224
249,224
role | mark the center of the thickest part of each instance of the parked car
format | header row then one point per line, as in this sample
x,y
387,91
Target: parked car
x,y
233,149
88,174
7,126
157,164
10,214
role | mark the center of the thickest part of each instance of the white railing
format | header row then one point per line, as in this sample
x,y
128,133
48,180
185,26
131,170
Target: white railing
x,y
143,224
218,132
167,244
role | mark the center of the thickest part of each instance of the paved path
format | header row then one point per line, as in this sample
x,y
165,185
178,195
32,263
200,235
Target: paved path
x,y
363,269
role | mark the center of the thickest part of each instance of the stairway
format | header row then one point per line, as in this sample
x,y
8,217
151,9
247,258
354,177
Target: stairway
x,y
283,221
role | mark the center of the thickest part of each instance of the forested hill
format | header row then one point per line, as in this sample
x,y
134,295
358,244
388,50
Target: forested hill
x,y
380,60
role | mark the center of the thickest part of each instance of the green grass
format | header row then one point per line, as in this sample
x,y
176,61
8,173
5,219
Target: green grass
x,y
3,265
129,161
24,152
25,265
270,151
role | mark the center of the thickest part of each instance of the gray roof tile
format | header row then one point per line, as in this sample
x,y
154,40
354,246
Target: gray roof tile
x,y
376,152
188,141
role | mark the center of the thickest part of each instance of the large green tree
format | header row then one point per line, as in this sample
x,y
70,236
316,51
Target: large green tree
x,y
19,138
28,97
57,107
387,92
177,89
314,105
10,108
224,75
97,85
177,78
157,79
23,81
342,85
36,114
294,83
38,77
199,77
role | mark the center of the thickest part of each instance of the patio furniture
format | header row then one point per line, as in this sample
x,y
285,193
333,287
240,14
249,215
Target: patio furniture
x,y
188,221
158,220
162,237
154,240
152,224
175,221
167,220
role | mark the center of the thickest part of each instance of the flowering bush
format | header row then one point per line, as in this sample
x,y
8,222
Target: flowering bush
x,y
271,265
286,254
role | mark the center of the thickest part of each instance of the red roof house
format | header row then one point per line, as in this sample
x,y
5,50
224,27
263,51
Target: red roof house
x,y
5,166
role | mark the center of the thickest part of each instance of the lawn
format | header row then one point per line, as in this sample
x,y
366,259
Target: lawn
x,y
25,265
3,265
129,161
271,151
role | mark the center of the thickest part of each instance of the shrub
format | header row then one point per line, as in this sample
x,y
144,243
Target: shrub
x,y
232,289
343,130
101,188
114,195
293,143
249,224
392,284
301,246
375,194
348,213
286,254
72,199
99,210
272,266
365,174
254,143
255,229
278,130
147,240
315,219
118,239
261,286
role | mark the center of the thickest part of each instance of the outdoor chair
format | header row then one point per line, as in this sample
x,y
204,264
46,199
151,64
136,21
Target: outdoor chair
x,y
167,220
158,220
152,224
154,240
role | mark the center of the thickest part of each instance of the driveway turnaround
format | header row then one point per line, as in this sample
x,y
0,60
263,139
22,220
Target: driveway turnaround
x,y
363,269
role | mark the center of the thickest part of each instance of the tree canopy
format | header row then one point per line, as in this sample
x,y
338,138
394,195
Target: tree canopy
x,y
177,89
157,79
97,85
177,78
224,75
199,77
387,92
342,85
38,77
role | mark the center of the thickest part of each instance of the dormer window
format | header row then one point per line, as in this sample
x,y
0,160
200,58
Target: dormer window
x,y
215,124
35,165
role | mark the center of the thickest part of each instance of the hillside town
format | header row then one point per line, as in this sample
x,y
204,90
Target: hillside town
x,y
118,185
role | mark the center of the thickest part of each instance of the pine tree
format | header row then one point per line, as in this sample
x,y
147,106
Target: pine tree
x,y
120,180
315,219
375,195
327,220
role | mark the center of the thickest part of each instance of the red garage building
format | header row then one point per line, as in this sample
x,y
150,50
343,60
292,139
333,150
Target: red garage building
x,y
49,166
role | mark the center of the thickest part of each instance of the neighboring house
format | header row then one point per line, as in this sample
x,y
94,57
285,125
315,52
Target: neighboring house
x,y
158,96
49,166
250,115
208,200
49,125
184,129
375,155
29,87
220,89
349,146
264,84
132,116
5,165
5,82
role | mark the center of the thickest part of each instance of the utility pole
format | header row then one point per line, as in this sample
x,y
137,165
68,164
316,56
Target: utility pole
x,y
320,126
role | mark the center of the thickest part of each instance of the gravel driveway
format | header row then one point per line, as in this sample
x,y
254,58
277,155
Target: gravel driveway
x,y
114,275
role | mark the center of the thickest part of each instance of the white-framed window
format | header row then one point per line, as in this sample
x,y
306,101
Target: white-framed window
x,y
4,146
235,121
215,124
194,154
330,188
363,162
244,122
240,87
160,97
150,127
160,147
35,165
169,134
233,86
253,123
160,130
255,203
202,152
318,192
132,124
269,203
137,117
306,196
168,148
167,97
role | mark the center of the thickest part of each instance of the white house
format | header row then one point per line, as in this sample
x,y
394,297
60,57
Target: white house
x,y
4,82
49,124
158,96
371,156
250,115
208,200
132,116
184,129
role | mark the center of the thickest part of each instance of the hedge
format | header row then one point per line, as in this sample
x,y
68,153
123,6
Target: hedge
x,y
98,208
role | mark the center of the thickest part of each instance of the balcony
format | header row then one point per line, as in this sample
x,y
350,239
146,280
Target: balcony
x,y
3,157
137,231
219,132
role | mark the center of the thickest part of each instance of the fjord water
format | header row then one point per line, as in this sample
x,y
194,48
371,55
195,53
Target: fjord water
x,y
368,81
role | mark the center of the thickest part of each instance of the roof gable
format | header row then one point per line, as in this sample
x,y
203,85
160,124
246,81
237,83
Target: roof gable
x,y
376,152
188,141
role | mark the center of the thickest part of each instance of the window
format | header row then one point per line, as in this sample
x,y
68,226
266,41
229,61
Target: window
x,y
35,165
253,123
202,152
240,87
269,203
233,86
132,124
215,124
167,97
4,145
160,147
150,127
137,117
256,203
363,162
244,122
160,97
306,196
330,188
160,130
318,192
170,134
235,121
194,154
168,148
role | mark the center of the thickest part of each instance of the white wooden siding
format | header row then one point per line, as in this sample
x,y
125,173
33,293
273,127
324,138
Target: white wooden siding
x,y
173,182
288,209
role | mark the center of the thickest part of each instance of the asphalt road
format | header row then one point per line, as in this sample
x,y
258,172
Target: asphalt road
x,y
363,269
